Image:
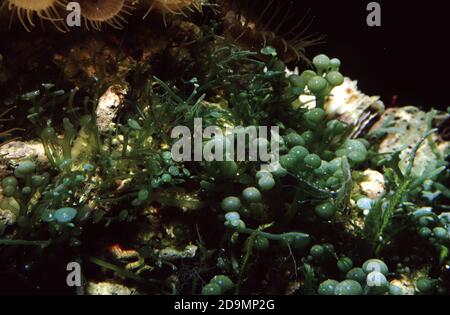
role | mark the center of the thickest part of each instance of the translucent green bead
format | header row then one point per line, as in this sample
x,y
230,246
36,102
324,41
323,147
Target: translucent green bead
x,y
348,287
251,194
297,81
211,289
344,264
321,62
327,287
143,194
315,115
313,161
26,167
293,139
317,85
65,215
231,203
299,152
266,183
9,191
10,181
224,282
335,64
325,210
375,265
335,78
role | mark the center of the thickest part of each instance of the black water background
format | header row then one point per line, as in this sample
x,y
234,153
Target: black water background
x,y
408,56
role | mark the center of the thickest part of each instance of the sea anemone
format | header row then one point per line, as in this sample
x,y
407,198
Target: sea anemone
x,y
253,25
173,6
111,12
26,9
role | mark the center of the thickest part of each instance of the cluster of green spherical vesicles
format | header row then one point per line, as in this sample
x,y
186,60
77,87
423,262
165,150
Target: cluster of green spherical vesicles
x,y
170,172
251,200
321,81
23,185
433,229
369,279
218,285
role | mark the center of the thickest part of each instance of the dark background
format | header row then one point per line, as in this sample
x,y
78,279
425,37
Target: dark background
x,y
408,56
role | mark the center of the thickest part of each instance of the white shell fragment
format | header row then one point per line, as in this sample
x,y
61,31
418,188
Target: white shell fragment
x,y
109,104
350,105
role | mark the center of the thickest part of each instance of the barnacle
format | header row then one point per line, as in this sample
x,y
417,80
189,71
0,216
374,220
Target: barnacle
x,y
111,12
25,10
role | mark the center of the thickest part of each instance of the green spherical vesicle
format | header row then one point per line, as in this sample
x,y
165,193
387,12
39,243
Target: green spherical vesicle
x,y
211,289
425,232
335,64
356,274
376,279
37,181
231,203
425,285
288,162
321,62
166,178
317,85
9,191
335,78
251,194
348,287
312,160
326,210
48,215
333,181
260,174
395,290
294,139
375,265
315,115
26,167
143,194
228,169
317,251
297,81
308,136
224,282
440,233
26,190
266,183
10,181
307,75
65,215
299,152
327,287
344,264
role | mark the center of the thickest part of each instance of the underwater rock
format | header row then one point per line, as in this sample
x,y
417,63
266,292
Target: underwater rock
x,y
18,151
108,288
109,104
171,254
7,218
374,185
408,124
350,105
